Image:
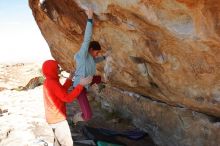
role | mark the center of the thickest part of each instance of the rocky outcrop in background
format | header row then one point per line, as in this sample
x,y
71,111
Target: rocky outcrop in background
x,y
166,49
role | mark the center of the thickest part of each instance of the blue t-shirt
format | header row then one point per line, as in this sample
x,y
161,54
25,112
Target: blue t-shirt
x,y
85,63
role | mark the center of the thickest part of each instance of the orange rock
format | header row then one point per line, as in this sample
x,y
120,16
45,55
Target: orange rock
x,y
178,41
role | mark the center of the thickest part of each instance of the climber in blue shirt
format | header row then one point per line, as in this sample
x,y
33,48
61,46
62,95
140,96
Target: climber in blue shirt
x,y
86,59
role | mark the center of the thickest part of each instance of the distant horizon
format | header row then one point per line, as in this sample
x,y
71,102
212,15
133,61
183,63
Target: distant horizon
x,y
20,37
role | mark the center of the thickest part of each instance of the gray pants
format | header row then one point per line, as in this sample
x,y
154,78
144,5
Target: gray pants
x,y
62,135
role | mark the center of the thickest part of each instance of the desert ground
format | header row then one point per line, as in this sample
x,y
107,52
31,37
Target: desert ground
x,y
22,119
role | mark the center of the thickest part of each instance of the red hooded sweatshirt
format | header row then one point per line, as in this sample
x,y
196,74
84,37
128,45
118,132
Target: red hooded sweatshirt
x,y
55,94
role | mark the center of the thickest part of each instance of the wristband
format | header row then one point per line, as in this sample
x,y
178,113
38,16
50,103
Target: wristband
x,y
90,20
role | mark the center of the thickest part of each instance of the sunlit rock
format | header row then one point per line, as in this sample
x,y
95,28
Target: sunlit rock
x,y
166,49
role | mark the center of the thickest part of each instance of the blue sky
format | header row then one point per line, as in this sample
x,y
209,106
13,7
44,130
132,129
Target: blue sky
x,y
20,37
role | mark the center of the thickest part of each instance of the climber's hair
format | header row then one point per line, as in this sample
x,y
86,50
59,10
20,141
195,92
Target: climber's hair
x,y
94,45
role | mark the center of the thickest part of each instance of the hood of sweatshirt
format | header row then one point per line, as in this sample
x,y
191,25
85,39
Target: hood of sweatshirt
x,y
50,69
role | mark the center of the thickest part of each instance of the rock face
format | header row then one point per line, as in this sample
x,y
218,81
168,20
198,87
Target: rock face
x,y
165,49
167,125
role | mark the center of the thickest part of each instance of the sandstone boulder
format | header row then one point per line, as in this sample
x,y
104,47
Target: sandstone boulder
x,y
166,49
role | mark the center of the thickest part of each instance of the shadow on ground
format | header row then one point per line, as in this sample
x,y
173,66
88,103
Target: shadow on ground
x,y
104,119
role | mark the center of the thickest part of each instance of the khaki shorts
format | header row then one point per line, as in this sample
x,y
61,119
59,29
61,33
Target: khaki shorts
x,y
62,134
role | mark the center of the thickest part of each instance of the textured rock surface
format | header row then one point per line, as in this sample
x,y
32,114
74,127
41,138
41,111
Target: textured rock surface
x,y
166,49
167,125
